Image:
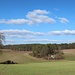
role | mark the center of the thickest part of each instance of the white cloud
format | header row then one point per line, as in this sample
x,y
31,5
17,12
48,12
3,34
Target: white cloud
x,y
33,37
41,40
55,33
64,32
11,33
69,32
21,36
26,33
39,16
63,20
48,41
10,41
33,17
16,21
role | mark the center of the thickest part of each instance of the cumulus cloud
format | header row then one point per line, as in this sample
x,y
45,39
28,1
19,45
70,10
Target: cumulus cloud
x,y
69,32
39,16
64,32
33,17
63,20
31,36
16,33
55,33
21,32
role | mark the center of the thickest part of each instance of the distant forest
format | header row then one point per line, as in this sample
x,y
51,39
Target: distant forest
x,y
29,47
46,51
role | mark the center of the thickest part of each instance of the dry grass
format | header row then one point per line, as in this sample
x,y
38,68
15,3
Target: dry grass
x,y
69,54
24,57
18,56
69,51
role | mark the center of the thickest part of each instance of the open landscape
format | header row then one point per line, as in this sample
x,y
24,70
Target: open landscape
x,y
37,37
29,65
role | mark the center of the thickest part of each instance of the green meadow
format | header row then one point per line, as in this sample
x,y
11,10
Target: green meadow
x,y
44,68
34,66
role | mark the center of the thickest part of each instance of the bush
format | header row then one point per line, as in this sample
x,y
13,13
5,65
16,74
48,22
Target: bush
x,y
8,62
59,55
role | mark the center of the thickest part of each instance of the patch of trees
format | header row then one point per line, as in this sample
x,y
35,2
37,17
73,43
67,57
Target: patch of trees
x,y
46,51
8,62
49,51
67,46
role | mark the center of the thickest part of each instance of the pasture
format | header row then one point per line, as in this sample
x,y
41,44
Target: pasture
x,y
35,66
44,68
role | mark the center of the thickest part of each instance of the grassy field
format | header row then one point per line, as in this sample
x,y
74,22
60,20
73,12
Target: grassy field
x,y
34,66
45,68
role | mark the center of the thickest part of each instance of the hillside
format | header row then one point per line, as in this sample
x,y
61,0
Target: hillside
x,y
18,56
24,57
69,54
69,51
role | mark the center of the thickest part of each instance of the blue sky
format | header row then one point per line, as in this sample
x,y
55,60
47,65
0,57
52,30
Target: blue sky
x,y
37,21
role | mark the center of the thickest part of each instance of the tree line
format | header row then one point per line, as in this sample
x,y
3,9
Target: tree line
x,y
29,47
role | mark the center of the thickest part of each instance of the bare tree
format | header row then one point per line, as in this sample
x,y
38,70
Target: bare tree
x,y
2,39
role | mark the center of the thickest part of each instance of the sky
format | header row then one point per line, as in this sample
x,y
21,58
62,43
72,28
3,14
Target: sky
x,y
37,21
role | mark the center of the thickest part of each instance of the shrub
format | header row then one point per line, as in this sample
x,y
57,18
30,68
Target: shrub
x,y
8,62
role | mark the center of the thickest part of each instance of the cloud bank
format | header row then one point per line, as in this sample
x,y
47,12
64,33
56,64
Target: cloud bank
x,y
13,36
18,33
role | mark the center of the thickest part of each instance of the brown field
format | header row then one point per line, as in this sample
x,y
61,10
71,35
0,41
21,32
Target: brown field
x,y
69,51
18,56
24,57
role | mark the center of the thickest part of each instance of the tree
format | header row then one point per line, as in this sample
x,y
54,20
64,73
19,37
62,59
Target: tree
x,y
2,39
